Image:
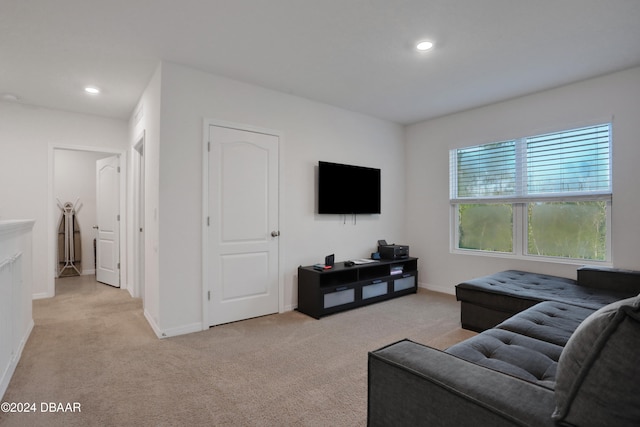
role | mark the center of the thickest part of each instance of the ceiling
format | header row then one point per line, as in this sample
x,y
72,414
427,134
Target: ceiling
x,y
354,54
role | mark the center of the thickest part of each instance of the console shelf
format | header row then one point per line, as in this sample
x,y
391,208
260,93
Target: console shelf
x,y
341,288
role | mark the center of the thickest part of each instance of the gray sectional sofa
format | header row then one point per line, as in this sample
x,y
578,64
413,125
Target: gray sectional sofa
x,y
567,358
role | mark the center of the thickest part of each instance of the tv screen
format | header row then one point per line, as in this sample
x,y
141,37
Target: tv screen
x,y
347,189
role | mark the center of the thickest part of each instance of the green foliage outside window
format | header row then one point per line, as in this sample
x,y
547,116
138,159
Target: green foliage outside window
x,y
575,230
568,229
486,227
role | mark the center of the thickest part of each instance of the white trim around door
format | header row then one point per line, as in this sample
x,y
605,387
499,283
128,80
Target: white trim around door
x,y
206,250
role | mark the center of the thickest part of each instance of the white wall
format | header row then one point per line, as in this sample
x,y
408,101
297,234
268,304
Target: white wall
x,y
26,133
588,102
75,178
311,132
145,120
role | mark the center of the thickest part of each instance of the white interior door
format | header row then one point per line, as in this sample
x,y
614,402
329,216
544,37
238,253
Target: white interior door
x,y
108,212
243,232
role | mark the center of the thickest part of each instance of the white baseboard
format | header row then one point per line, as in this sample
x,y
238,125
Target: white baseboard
x,y
13,363
436,288
182,330
153,324
172,332
41,295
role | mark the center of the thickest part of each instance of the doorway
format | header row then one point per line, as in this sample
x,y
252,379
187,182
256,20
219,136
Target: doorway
x,y
72,174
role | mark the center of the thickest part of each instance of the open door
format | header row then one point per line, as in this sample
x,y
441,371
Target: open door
x,y
108,213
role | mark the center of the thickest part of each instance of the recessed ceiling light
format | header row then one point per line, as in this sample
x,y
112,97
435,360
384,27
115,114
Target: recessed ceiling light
x,y
424,45
92,90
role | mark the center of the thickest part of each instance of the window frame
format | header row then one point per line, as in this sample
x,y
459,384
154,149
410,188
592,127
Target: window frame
x,y
521,240
520,202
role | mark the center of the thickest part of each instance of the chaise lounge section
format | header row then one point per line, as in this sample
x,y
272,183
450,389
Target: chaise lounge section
x,y
555,363
487,301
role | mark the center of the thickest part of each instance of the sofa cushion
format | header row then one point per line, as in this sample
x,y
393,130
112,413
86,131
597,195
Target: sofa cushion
x,y
524,357
549,321
598,380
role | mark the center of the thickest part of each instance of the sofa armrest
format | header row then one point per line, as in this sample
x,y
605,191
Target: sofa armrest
x,y
412,384
612,279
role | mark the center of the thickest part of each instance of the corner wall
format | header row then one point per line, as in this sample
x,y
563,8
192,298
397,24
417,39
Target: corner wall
x,y
311,132
614,96
146,119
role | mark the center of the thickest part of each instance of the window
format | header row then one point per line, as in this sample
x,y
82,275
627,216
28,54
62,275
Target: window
x,y
545,195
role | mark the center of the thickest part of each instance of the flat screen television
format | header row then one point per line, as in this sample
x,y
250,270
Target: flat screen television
x,y
347,189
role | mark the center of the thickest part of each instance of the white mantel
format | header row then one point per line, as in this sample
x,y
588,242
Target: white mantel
x,y
16,273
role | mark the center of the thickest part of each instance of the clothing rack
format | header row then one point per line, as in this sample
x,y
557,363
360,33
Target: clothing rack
x,y
69,227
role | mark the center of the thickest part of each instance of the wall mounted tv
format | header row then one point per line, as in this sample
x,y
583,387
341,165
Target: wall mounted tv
x,y
347,189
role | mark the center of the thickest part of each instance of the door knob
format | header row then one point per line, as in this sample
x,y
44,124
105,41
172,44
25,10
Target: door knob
x,y
275,233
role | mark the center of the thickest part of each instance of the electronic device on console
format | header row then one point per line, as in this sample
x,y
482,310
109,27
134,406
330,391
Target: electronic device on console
x,y
392,251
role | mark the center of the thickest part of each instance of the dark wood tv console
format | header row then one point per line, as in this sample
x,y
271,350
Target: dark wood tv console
x,y
341,288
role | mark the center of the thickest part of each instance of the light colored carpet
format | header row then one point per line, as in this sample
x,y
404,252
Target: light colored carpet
x,y
92,345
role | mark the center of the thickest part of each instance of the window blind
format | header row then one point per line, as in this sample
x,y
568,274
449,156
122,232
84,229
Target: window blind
x,y
572,164
574,161
486,170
